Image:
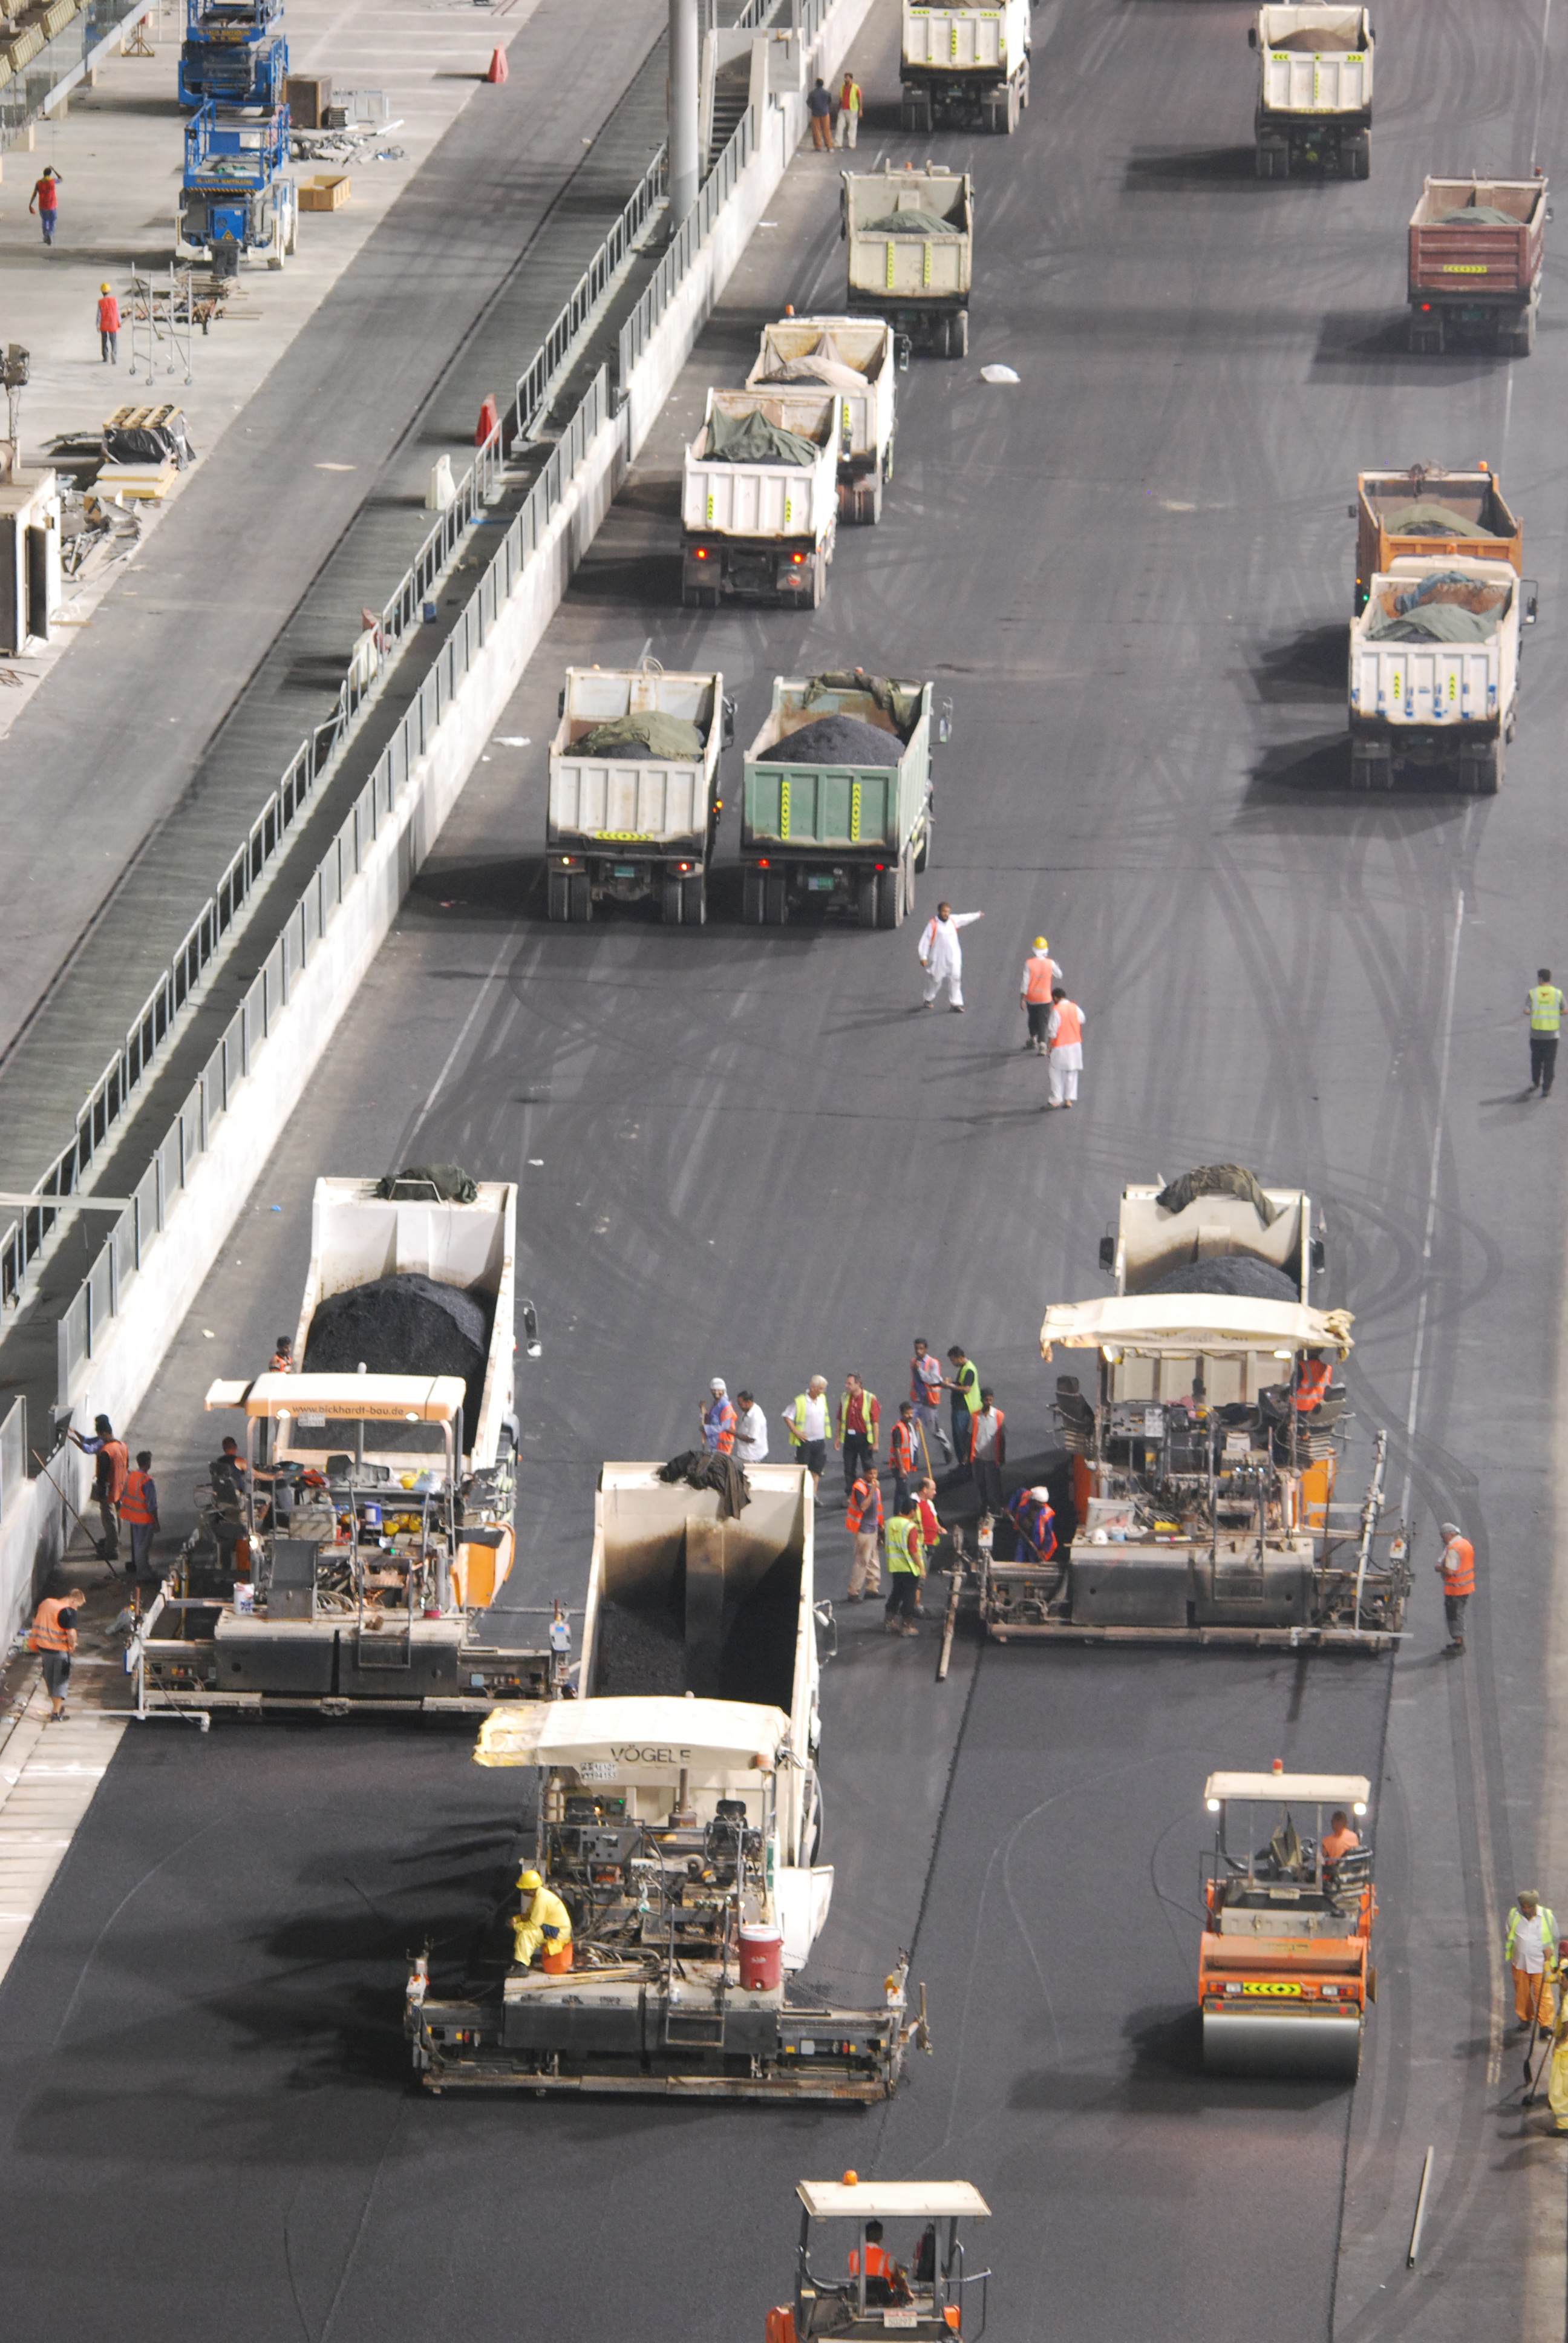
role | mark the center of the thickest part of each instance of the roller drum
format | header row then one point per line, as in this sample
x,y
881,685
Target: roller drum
x,y
1320,2049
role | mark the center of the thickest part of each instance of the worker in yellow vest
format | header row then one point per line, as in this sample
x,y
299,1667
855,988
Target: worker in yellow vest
x,y
1544,1003
906,1568
849,110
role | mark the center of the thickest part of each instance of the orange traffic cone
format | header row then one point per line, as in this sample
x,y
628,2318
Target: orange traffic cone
x,y
497,66
489,421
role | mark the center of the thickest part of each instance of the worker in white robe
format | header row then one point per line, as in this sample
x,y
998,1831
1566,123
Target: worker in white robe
x,y
1064,1046
941,954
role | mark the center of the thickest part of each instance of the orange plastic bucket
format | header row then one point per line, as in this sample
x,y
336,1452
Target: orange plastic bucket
x,y
556,1960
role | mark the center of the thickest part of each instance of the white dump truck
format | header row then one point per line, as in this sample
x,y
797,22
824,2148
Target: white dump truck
x,y
855,358
759,499
1315,91
634,792
1194,1501
964,68
1435,670
910,237
836,836
676,1818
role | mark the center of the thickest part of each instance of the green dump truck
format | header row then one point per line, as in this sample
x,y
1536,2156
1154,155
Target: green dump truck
x,y
840,834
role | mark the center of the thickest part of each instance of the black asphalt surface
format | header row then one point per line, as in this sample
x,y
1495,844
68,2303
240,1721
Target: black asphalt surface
x,y
750,1154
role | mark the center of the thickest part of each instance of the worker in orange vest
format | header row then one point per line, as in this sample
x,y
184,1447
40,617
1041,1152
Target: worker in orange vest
x,y
1456,1568
108,1481
1039,979
139,1513
283,1355
717,1419
904,1453
53,1636
863,1520
1312,1378
878,2264
109,326
1064,1046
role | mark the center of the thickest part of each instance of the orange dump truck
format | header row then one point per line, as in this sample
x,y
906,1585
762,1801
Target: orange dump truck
x,y
1477,251
1284,1969
1425,510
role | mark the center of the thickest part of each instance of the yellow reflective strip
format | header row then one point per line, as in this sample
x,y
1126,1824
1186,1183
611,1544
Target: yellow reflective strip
x,y
783,809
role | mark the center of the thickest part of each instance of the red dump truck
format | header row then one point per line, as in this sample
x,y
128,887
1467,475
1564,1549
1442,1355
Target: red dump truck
x,y
1477,247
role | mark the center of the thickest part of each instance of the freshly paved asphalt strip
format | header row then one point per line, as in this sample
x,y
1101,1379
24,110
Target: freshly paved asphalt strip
x,y
749,1153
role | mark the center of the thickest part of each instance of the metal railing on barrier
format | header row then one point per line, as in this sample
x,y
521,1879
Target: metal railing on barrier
x,y
13,1451
24,1239
97,1301
685,245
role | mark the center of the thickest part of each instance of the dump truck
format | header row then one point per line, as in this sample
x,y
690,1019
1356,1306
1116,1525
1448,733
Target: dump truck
x,y
627,821
1284,1967
855,357
840,837
964,68
678,1818
1195,1500
760,527
1435,670
923,2291
1477,248
1315,91
910,237
1428,509
372,1591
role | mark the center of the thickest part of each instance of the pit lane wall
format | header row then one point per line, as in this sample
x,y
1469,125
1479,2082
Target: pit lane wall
x,y
114,1334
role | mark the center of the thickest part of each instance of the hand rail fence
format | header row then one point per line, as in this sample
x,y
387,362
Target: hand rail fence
x,y
24,1239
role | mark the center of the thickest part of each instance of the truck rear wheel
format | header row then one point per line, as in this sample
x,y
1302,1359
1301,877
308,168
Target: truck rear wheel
x,y
694,901
1426,336
819,578
1357,155
751,897
776,899
923,851
558,905
891,897
956,335
1482,773
1520,340
867,904
579,896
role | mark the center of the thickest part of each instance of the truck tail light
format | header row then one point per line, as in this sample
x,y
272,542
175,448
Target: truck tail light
x,y
796,558
762,863
701,553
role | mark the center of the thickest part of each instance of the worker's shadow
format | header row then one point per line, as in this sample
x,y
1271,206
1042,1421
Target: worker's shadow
x,y
1193,168
1525,1097
1167,2074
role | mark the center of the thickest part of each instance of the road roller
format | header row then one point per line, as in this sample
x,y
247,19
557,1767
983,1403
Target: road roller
x,y
1285,1972
891,2257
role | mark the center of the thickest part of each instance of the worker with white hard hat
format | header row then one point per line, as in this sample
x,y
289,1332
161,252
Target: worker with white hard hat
x,y
1034,1519
717,1414
546,1921
1040,972
1456,1568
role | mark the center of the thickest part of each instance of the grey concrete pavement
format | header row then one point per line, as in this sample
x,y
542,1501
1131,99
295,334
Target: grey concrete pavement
x,y
333,447
748,1153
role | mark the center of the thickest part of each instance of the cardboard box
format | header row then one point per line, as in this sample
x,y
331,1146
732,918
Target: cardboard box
x,y
327,192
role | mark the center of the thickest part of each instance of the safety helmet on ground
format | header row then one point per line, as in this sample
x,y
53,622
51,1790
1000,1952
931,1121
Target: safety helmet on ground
x,y
529,1879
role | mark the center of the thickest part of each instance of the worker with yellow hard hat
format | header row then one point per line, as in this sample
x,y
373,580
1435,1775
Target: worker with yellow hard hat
x,y
1041,973
109,326
546,1922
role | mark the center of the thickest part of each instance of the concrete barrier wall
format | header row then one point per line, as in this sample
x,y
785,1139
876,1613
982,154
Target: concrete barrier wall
x,y
36,1529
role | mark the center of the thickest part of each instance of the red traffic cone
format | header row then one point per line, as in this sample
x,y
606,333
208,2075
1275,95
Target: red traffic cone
x,y
489,422
497,66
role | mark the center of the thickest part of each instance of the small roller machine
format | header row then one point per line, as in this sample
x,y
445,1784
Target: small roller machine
x,y
1284,1970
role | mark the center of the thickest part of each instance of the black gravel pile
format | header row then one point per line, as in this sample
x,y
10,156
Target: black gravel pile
x,y
641,1651
835,740
1229,1273
405,1325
